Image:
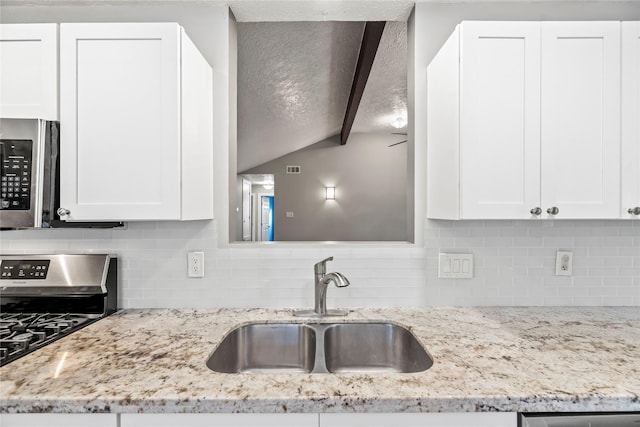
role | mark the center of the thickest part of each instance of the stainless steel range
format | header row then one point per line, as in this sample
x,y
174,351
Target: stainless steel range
x,y
46,297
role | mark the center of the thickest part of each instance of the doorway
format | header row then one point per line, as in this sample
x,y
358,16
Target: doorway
x,y
266,218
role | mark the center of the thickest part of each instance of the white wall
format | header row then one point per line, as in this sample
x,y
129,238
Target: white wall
x,y
514,263
514,260
370,181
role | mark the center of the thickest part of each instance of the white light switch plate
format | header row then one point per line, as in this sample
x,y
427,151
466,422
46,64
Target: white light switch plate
x,y
455,266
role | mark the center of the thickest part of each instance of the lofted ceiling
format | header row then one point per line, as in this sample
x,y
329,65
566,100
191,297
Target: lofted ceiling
x,y
294,80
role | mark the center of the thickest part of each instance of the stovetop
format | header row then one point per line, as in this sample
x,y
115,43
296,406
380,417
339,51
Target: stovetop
x,y
21,333
46,297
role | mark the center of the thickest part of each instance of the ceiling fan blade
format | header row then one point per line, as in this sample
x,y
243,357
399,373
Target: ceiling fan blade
x,y
398,143
398,133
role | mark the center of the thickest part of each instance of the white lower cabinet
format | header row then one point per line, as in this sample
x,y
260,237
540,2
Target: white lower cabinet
x,y
218,420
471,419
59,420
484,419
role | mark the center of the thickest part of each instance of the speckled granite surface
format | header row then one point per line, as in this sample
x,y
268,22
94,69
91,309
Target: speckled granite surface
x,y
486,359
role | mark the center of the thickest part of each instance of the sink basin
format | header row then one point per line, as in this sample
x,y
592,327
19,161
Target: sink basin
x,y
373,347
266,347
367,347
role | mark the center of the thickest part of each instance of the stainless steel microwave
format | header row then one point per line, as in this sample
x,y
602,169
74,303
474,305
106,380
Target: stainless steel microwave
x,y
30,176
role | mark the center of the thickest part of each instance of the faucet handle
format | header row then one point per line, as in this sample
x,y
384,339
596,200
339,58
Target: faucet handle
x,y
321,267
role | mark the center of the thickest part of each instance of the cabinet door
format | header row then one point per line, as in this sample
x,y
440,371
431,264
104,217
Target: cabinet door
x,y
120,121
29,71
581,119
219,420
483,419
58,420
499,119
630,118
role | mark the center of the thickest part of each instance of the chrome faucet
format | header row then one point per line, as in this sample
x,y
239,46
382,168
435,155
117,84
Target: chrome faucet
x,y
322,280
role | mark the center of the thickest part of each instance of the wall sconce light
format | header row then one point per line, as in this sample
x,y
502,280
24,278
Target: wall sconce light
x,y
331,193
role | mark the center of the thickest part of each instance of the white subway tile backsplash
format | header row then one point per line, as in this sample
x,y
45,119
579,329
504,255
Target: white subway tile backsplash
x,y
618,242
621,282
591,281
558,301
630,271
598,292
619,261
615,301
588,301
514,265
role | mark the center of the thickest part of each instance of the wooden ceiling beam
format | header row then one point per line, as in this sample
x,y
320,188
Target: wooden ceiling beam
x,y
368,48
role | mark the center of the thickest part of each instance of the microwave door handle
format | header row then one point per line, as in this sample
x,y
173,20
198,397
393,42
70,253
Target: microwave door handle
x,y
50,168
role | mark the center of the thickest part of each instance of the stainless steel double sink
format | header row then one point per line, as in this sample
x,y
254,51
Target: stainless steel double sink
x,y
357,347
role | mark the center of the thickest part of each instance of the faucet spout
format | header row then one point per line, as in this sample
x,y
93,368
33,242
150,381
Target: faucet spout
x,y
322,284
322,280
338,279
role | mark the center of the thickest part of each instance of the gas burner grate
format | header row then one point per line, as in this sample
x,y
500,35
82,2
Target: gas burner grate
x,y
21,333
44,297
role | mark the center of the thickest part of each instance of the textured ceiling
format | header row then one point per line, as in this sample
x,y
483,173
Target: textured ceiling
x,y
385,96
294,80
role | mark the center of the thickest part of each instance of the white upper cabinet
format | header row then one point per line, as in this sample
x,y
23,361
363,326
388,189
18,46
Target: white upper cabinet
x,y
29,71
523,121
580,128
136,123
499,119
631,120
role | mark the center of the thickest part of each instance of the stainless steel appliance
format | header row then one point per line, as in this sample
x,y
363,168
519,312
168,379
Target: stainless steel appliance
x,y
46,297
20,175
30,176
580,420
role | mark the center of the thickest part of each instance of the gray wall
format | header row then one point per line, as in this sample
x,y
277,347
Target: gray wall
x,y
370,179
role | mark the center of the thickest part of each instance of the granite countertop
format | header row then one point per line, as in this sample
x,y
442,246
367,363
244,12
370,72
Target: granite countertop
x,y
486,359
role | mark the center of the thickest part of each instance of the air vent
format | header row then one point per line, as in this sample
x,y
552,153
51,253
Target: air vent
x,y
293,170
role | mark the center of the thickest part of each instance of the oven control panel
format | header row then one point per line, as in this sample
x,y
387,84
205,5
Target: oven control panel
x,y
24,269
15,174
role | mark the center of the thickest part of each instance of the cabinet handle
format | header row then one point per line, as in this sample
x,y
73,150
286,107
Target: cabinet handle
x,y
536,211
553,211
634,211
63,212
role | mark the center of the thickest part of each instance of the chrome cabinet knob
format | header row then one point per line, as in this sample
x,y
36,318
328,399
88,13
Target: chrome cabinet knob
x,y
63,212
634,211
553,211
536,211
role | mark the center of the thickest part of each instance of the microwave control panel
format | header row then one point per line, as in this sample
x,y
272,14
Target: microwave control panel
x,y
24,269
15,174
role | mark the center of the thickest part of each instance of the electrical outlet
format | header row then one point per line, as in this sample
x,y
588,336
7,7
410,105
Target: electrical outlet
x,y
455,266
564,263
195,264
